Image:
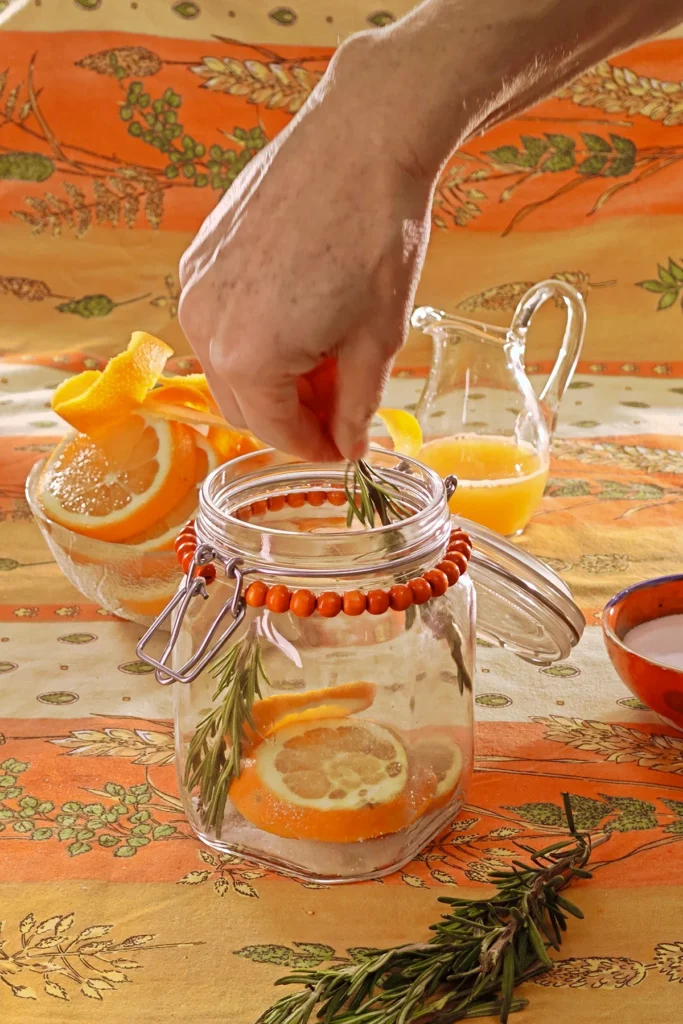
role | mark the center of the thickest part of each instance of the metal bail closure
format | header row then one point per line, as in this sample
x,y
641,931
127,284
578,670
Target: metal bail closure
x,y
195,586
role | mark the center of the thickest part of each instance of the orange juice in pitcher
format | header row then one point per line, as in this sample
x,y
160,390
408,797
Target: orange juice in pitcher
x,y
500,481
480,418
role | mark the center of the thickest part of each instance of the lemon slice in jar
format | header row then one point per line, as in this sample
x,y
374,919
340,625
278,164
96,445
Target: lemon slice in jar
x,y
332,780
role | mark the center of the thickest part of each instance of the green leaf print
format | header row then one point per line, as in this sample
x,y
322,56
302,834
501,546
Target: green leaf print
x,y
623,146
633,815
187,10
304,954
561,143
594,143
381,18
676,806
538,813
25,167
592,165
567,488
283,16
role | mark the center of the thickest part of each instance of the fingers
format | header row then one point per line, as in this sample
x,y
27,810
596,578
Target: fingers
x,y
363,368
225,399
273,413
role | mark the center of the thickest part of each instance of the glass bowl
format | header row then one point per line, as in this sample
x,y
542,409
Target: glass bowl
x,y
122,579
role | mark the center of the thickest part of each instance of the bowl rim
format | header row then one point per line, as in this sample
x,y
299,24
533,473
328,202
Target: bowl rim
x,y
613,601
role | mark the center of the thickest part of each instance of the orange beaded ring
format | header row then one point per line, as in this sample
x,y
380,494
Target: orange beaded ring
x,y
278,598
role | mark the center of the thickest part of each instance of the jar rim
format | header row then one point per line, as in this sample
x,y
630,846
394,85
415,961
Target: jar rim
x,y
274,551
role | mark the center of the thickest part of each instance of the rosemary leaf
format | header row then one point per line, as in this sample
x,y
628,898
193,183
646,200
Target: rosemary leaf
x,y
480,952
212,762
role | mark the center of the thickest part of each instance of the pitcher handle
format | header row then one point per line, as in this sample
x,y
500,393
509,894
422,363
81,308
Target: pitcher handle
x,y
568,356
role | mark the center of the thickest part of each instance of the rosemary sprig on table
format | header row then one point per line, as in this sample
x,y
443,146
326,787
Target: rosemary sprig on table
x,y
215,750
480,952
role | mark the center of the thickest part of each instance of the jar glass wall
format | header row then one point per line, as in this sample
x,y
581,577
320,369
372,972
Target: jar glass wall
x,y
359,748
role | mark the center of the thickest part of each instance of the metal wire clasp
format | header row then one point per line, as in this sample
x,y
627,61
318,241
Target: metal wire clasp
x,y
195,586
451,485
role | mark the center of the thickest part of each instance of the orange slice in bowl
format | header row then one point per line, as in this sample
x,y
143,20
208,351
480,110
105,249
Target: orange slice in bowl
x,y
334,781
437,751
148,467
161,535
285,709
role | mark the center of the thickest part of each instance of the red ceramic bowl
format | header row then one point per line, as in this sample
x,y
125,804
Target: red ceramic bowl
x,y
658,686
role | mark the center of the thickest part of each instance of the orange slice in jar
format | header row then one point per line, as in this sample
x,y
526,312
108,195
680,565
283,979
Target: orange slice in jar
x,y
333,781
436,750
148,467
285,709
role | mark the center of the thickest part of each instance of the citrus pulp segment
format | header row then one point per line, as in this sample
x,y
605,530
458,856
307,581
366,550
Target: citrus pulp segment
x,y
161,535
148,467
334,780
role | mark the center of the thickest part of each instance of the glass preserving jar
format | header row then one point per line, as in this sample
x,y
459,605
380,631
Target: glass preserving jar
x,y
323,697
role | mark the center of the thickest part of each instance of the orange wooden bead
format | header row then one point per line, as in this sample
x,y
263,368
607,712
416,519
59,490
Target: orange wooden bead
x,y
421,590
185,563
458,560
437,580
354,602
258,508
302,603
378,602
461,545
278,598
336,498
400,597
186,549
329,604
208,572
243,513
296,500
276,502
316,498
187,533
450,570
256,594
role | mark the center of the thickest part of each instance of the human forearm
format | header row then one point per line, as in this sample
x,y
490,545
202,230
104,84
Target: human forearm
x,y
453,68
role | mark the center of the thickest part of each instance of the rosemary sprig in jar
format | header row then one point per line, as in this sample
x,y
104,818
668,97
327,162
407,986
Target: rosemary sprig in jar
x,y
370,495
480,952
215,750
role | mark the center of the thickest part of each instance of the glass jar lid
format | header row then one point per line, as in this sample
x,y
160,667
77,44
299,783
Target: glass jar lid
x,y
522,604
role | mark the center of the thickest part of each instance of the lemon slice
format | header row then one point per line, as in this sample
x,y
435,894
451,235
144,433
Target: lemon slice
x,y
404,431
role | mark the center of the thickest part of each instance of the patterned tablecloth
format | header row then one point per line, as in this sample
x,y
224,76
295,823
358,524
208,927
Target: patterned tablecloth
x,y
111,909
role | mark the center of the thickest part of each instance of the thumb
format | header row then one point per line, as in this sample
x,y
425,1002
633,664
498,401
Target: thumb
x,y
363,367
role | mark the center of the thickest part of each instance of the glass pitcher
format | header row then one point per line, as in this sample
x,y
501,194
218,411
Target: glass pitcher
x,y
480,417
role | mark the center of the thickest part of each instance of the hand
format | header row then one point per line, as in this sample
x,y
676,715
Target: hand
x,y
317,247
318,256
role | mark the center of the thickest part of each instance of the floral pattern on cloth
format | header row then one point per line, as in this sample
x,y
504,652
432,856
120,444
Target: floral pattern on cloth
x,y
120,127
